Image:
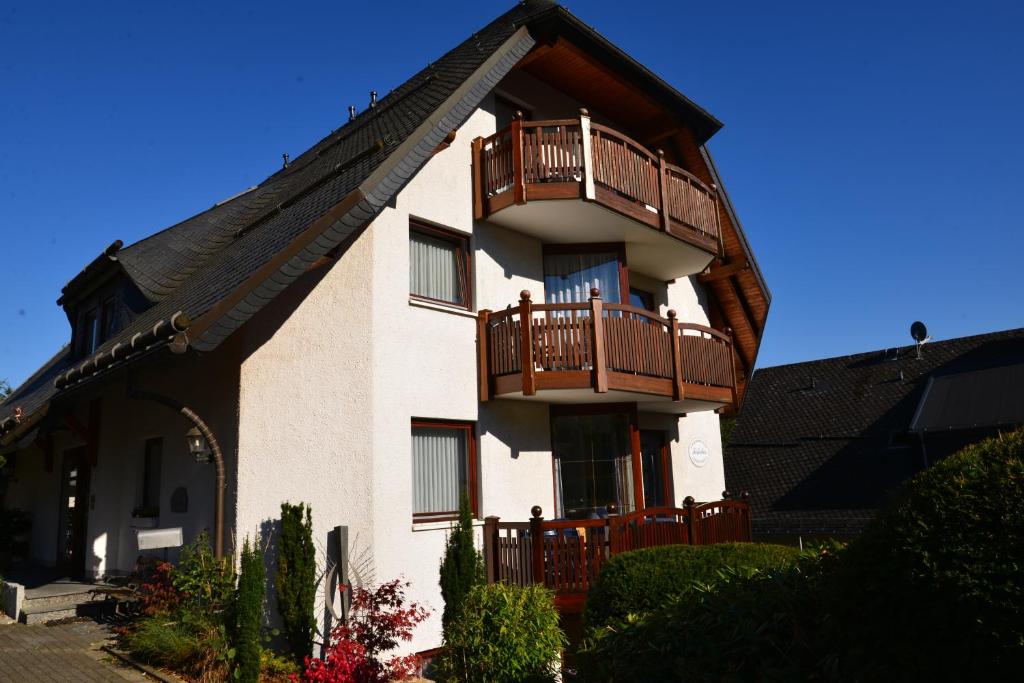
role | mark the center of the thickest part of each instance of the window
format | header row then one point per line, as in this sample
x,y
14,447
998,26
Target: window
x,y
654,460
439,267
443,467
641,299
91,331
593,464
571,271
152,460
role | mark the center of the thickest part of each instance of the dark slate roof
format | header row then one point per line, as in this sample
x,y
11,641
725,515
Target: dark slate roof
x,y
820,444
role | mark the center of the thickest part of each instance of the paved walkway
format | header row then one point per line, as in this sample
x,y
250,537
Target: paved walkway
x,y
65,653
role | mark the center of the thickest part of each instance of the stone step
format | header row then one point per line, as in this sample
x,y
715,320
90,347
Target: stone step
x,y
58,601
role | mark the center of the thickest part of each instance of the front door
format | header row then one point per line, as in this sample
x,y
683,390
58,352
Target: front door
x,y
73,512
654,460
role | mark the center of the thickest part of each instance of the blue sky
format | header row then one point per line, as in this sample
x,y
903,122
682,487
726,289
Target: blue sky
x,y
873,149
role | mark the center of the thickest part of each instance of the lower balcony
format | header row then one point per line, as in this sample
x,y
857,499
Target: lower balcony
x,y
597,352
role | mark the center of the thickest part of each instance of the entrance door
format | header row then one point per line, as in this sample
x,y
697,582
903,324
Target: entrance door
x,y
654,460
73,513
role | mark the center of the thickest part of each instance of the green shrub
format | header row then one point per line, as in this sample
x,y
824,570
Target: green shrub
x,y
462,566
249,614
749,624
940,571
296,579
204,582
504,634
641,581
188,642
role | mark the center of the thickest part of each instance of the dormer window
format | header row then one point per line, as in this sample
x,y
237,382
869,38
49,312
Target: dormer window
x,y
98,325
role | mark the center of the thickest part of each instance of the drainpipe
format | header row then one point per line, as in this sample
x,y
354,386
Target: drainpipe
x,y
218,459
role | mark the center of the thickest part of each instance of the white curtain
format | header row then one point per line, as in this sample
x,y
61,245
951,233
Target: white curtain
x,y
434,268
438,469
568,278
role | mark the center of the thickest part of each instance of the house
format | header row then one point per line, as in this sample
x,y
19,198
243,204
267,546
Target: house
x,y
821,444
350,331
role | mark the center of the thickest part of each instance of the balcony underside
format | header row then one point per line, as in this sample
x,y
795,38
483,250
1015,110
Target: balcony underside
x,y
555,213
654,394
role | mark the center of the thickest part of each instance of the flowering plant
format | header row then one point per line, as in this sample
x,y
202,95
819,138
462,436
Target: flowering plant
x,y
357,649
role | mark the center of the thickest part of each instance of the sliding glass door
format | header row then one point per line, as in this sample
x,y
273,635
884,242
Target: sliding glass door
x,y
593,464
570,275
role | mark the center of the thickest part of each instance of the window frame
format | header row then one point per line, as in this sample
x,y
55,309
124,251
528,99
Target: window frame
x,y
464,257
472,472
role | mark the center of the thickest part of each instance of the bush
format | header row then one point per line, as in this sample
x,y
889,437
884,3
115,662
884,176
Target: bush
x,y
504,634
357,650
748,624
249,614
204,582
462,566
188,642
941,571
642,580
296,579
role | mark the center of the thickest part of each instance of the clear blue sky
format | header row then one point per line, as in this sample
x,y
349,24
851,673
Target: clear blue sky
x,y
873,149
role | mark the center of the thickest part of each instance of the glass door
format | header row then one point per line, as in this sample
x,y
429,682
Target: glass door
x,y
73,511
593,465
654,460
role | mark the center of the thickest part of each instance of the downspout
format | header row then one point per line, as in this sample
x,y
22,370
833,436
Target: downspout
x,y
218,459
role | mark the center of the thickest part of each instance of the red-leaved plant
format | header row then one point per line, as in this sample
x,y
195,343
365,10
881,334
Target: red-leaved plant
x,y
156,588
356,651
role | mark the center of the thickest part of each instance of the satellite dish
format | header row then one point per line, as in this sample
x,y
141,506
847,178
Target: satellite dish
x,y
918,331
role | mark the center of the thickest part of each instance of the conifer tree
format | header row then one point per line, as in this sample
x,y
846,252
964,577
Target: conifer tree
x,y
462,566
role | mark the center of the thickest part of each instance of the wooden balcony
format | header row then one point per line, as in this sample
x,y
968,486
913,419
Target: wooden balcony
x,y
623,192
601,352
572,553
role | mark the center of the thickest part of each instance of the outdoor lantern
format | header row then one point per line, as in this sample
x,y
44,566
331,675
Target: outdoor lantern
x,y
197,446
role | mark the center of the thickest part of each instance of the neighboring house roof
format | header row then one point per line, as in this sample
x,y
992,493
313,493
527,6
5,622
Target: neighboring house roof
x,y
820,444
209,274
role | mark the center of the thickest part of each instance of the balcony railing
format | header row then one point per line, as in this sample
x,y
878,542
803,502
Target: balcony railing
x,y
572,553
602,346
575,158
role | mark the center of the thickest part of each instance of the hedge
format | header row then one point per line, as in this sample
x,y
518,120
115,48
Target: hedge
x,y
640,581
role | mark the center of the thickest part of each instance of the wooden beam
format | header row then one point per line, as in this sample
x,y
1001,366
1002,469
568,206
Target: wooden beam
x,y
739,322
724,271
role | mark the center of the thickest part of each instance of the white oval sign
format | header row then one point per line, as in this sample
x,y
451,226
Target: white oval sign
x,y
699,453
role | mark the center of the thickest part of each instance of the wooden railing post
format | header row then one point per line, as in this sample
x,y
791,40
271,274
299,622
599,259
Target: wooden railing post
x,y
478,179
677,356
537,543
732,368
518,171
599,361
691,517
587,162
612,531
483,354
491,545
663,190
526,344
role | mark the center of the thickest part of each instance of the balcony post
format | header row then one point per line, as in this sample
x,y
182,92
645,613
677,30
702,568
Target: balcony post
x,y
677,357
663,191
483,354
689,504
598,359
518,179
491,543
732,367
537,543
478,179
612,532
526,344
587,162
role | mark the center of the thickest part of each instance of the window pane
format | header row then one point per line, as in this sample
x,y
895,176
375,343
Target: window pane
x,y
593,464
650,457
641,299
568,278
434,269
439,469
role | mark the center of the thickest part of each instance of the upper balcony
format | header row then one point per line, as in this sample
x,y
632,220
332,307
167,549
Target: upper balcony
x,y
597,352
608,187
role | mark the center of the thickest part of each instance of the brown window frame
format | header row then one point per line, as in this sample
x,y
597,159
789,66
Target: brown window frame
x,y
465,263
472,482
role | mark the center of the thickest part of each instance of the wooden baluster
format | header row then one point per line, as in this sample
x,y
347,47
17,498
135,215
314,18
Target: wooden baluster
x,y
662,191
600,361
526,361
483,354
478,183
519,181
492,543
677,360
537,543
